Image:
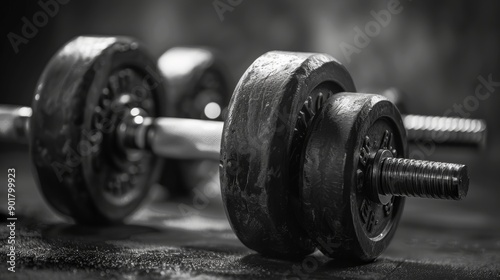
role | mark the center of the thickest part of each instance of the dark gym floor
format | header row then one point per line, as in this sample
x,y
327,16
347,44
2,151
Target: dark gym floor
x,y
191,238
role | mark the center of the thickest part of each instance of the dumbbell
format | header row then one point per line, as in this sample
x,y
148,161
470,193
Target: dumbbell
x,y
198,79
89,97
198,88
438,129
305,166
97,134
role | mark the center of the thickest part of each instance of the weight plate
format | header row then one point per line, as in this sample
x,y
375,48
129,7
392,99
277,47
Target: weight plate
x,y
198,82
199,89
268,116
339,211
84,93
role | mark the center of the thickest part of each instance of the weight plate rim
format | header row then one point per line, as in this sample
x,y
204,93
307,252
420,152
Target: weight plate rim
x,y
338,228
278,82
72,196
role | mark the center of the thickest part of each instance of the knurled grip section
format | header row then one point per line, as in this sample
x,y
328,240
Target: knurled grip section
x,y
419,178
445,130
14,123
185,138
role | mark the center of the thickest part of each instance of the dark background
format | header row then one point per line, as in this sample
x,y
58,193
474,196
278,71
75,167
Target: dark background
x,y
433,50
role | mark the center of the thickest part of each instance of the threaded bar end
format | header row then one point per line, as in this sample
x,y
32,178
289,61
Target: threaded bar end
x,y
419,178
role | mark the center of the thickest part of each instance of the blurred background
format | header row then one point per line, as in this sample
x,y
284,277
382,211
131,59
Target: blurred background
x,y
434,51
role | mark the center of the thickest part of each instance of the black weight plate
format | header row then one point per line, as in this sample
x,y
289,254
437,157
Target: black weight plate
x,y
268,116
337,208
198,89
85,91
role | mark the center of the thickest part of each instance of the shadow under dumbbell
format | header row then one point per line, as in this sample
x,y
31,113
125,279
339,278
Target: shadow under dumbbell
x,y
316,266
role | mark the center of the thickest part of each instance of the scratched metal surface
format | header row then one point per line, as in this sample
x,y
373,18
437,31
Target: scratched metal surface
x,y
191,239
